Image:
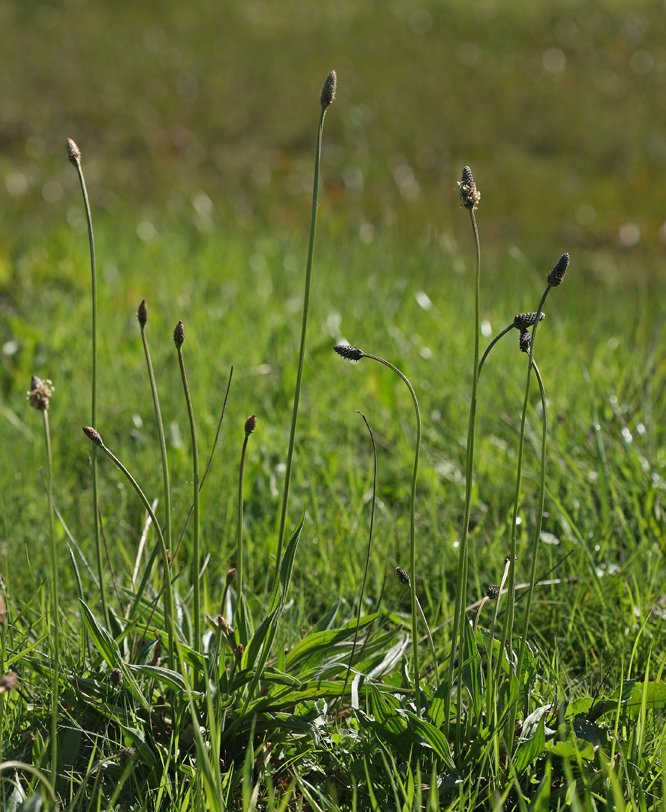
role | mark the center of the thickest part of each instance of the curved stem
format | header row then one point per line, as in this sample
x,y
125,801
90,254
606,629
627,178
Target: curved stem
x,y
168,592
507,628
412,526
163,451
492,344
301,356
537,530
55,606
93,419
367,558
195,475
461,585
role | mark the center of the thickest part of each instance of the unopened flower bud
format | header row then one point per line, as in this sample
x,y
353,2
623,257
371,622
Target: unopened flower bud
x,y
329,88
142,314
250,424
179,334
73,152
556,276
93,435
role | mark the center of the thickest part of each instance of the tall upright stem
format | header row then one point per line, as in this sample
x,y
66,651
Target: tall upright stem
x,y
301,356
55,605
163,451
93,419
461,587
250,425
507,628
412,526
196,555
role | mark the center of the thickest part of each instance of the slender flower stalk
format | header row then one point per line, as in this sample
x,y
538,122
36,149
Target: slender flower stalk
x,y
179,338
93,435
367,558
355,354
74,155
326,99
250,426
142,316
555,278
469,198
39,397
404,578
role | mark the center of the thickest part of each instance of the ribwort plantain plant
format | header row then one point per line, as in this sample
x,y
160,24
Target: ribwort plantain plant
x,y
326,99
179,338
39,398
469,198
74,155
142,317
355,354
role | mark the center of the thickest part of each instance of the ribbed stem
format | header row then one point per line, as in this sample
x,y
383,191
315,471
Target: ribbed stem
x,y
301,356
168,592
367,558
492,344
196,555
239,539
93,421
430,641
163,451
461,585
412,527
507,628
537,530
55,606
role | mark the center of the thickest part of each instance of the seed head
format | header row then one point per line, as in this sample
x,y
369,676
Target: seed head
x,y
93,435
349,352
8,682
73,152
40,393
492,592
250,424
521,321
525,340
116,676
142,314
403,576
468,193
179,334
231,576
556,276
328,90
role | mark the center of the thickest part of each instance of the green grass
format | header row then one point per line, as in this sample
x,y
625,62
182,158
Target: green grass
x,y
251,723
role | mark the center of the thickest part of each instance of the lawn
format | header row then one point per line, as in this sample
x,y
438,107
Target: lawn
x,y
197,126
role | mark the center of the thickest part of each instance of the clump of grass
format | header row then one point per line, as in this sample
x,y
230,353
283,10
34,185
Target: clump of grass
x,y
39,398
326,99
355,354
179,338
74,155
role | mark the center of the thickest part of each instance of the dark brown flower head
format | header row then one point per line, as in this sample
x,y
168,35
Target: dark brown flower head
x,y
179,334
250,424
40,393
238,651
128,753
468,193
93,435
73,152
142,314
349,352
329,88
403,576
521,321
116,676
8,682
492,592
231,576
525,340
556,276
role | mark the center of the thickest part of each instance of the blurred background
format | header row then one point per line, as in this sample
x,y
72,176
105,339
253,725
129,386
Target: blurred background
x,y
206,112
